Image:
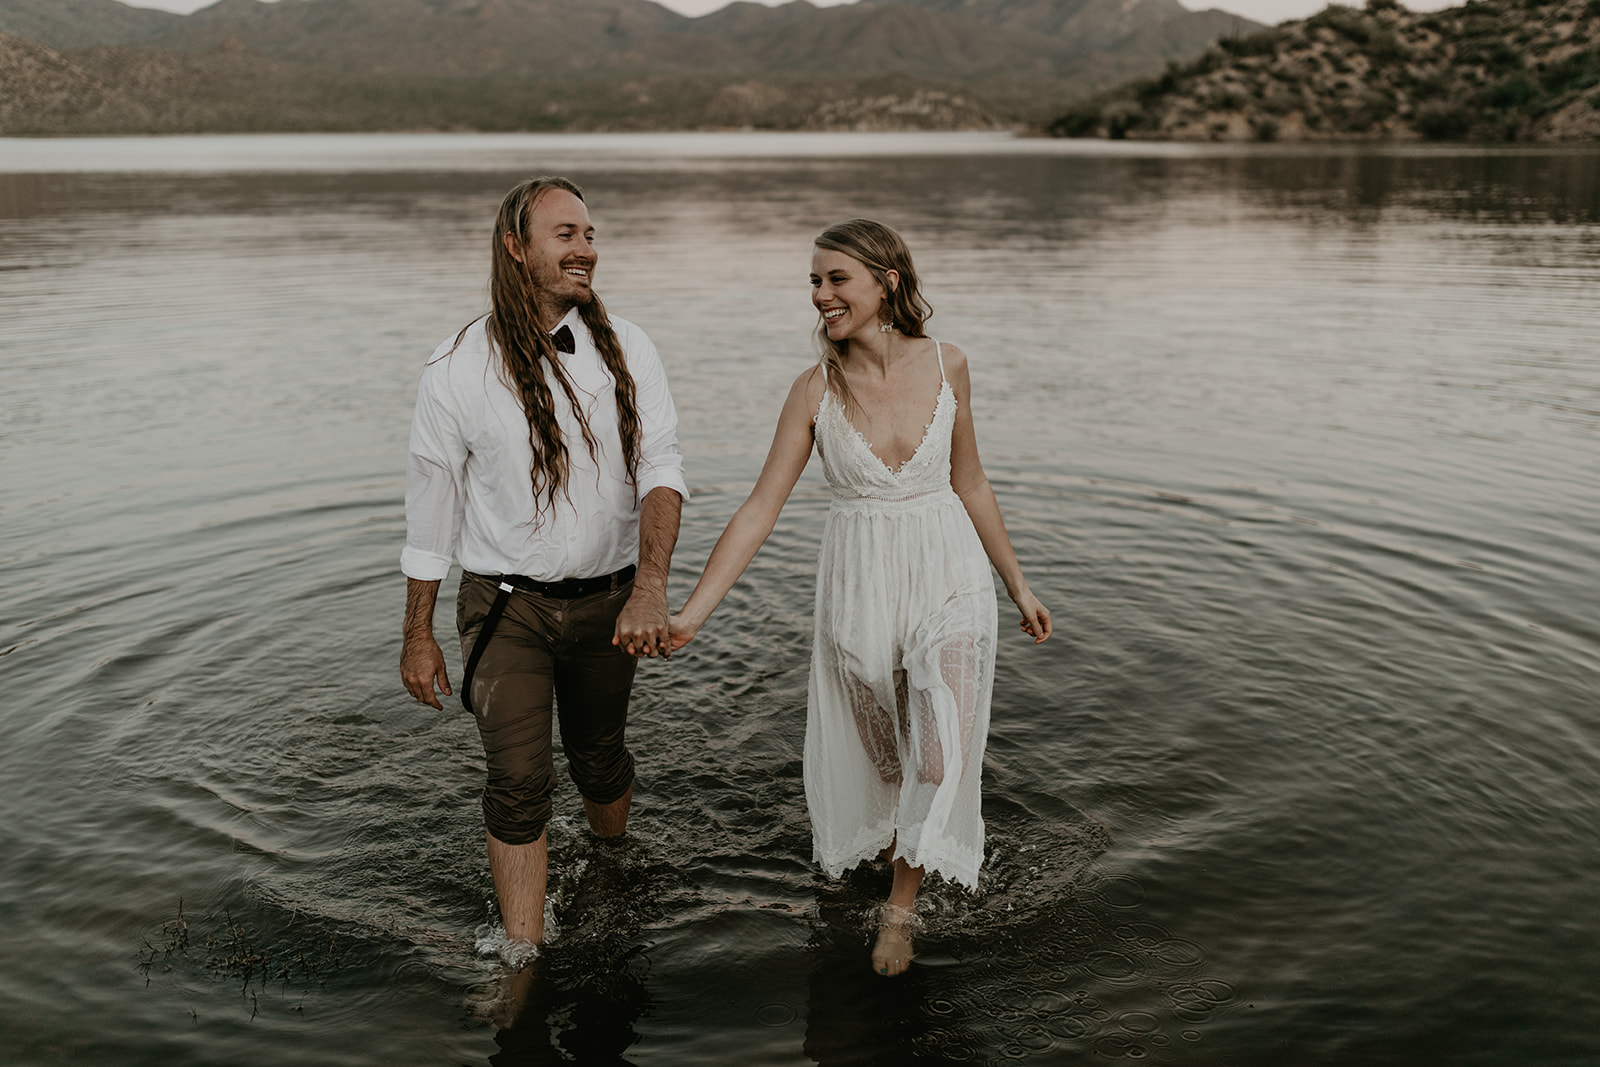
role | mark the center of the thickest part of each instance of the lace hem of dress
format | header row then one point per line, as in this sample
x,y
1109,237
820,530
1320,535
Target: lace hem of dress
x,y
947,865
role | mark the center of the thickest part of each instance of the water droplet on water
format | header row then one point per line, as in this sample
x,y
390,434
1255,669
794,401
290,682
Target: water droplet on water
x,y
1137,1022
1111,965
776,1015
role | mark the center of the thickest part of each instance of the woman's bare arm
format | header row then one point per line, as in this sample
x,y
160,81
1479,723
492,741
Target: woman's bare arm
x,y
750,526
977,496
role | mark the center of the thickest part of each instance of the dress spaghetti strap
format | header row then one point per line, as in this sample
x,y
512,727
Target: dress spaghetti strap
x,y
938,349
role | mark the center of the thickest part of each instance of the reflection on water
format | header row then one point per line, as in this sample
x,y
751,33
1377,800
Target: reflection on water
x,y
1299,444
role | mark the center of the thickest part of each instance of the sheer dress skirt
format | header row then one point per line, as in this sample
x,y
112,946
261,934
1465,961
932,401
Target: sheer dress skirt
x,y
901,672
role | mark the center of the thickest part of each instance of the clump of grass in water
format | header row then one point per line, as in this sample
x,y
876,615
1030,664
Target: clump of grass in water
x,y
175,935
237,950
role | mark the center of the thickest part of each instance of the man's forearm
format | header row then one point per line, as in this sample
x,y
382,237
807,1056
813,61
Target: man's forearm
x,y
420,599
659,515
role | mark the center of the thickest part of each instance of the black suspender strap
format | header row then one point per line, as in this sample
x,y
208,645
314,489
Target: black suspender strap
x,y
485,632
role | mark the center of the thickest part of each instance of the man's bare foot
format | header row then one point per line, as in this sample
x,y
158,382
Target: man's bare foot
x,y
892,954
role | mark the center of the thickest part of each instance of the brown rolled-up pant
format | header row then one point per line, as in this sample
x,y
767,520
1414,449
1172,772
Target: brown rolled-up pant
x,y
547,651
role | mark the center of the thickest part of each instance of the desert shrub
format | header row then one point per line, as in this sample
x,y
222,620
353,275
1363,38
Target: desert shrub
x,y
1210,60
1517,91
1495,56
1261,43
1429,87
1149,90
1385,47
1264,127
1345,21
1442,120
1121,119
1279,102
1374,106
1081,121
1229,98
1576,72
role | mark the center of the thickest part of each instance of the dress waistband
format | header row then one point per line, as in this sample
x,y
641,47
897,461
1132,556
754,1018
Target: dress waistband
x,y
851,503
566,588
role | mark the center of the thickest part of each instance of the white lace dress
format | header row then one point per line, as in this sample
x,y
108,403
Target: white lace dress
x,y
902,659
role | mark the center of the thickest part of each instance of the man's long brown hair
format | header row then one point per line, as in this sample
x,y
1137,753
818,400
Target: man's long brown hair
x,y
528,356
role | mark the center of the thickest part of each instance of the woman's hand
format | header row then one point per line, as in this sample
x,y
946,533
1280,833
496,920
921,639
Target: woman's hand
x,y
1035,616
679,633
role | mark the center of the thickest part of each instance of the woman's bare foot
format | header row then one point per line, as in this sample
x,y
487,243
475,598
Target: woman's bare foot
x,y
892,954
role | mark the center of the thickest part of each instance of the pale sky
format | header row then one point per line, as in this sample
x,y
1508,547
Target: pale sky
x,y
1268,11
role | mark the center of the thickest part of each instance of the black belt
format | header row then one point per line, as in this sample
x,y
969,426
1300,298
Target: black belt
x,y
566,589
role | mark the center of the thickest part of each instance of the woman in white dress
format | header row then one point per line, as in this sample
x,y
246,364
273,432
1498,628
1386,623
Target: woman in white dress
x,y
903,651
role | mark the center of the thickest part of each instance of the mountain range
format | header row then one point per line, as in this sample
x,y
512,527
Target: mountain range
x,y
80,66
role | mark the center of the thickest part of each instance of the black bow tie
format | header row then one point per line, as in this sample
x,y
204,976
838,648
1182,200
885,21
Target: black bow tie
x,y
563,339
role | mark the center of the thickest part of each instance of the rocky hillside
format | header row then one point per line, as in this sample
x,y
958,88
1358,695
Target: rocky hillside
x,y
579,64
1491,70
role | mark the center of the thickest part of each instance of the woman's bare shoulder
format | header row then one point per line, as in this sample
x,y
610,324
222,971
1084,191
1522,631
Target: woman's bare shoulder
x,y
955,360
809,386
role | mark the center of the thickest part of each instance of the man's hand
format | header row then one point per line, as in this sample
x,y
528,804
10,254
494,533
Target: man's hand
x,y
642,626
421,662
421,666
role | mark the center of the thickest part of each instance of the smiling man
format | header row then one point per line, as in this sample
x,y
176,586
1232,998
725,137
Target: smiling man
x,y
544,456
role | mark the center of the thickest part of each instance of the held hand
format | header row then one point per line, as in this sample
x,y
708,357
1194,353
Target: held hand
x,y
421,666
642,626
1035,616
679,632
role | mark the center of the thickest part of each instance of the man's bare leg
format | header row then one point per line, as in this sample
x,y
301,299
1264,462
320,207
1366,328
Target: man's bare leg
x,y
519,874
609,820
892,954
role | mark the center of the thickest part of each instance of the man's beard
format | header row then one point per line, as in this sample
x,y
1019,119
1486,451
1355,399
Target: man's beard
x,y
554,288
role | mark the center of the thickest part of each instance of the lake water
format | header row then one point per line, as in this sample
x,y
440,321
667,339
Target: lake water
x,y
1301,445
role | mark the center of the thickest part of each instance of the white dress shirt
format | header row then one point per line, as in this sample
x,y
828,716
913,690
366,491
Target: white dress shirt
x,y
469,493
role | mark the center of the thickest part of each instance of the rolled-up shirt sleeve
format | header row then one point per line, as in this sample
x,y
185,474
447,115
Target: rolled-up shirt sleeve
x,y
660,458
435,475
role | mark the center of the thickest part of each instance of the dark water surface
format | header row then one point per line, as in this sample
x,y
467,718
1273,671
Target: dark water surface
x,y
1300,446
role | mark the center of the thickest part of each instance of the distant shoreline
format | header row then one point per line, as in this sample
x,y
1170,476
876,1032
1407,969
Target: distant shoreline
x,y
388,151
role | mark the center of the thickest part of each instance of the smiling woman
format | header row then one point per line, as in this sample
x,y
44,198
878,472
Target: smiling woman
x,y
902,660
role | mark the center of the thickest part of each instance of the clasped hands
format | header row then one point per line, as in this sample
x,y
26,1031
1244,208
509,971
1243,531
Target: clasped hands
x,y
645,629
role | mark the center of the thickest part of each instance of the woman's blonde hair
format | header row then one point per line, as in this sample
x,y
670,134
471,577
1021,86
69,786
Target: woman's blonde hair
x,y
881,250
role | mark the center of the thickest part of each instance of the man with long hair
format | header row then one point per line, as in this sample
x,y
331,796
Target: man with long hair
x,y
544,456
